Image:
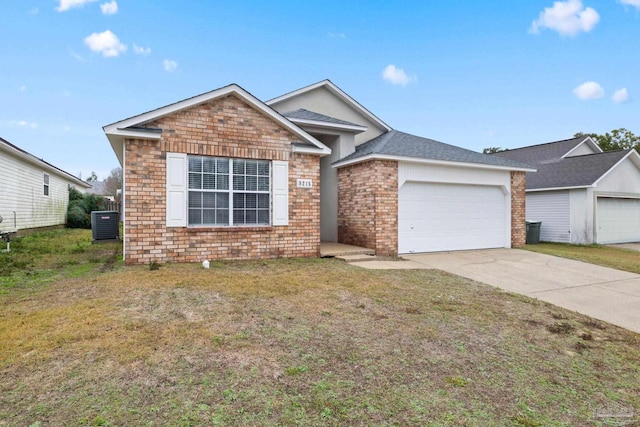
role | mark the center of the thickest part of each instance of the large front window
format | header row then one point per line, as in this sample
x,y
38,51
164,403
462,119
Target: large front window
x,y
229,192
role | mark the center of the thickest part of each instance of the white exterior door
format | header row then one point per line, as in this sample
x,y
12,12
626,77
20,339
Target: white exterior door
x,y
617,220
436,217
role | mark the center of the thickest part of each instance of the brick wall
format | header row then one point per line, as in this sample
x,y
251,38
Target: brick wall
x,y
368,206
518,210
225,127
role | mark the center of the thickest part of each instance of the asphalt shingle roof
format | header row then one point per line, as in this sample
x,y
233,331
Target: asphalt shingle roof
x,y
396,143
303,114
536,154
553,171
574,171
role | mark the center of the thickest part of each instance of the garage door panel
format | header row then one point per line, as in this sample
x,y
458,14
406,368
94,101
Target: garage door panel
x,y
617,220
442,217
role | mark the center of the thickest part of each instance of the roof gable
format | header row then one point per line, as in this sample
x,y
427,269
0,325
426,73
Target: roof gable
x,y
328,99
131,127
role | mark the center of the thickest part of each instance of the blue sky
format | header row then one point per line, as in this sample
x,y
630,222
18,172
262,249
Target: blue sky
x,y
472,74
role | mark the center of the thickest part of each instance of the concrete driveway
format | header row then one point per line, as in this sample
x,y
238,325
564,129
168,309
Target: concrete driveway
x,y
632,246
599,292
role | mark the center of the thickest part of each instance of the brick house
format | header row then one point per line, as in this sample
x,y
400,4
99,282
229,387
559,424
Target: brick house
x,y
224,175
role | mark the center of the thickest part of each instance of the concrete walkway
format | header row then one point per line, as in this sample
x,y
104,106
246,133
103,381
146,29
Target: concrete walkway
x,y
599,292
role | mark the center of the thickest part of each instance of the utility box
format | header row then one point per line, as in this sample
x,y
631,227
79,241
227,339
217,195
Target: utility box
x,y
105,225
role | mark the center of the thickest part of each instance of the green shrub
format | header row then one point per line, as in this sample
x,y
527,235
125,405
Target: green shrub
x,y
80,207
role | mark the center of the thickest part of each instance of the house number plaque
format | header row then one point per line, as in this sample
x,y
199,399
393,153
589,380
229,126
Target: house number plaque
x,y
305,183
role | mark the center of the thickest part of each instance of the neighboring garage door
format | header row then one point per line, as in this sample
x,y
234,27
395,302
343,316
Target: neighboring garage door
x,y
445,217
618,220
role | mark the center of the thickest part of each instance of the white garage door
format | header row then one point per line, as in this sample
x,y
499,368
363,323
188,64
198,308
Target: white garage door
x,y
618,220
445,217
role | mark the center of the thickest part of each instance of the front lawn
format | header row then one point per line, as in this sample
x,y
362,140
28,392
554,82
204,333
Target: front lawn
x,y
606,256
296,342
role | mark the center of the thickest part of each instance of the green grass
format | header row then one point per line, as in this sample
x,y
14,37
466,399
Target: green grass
x,y
295,342
607,256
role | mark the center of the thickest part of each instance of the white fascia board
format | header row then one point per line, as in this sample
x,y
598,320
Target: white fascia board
x,y
118,127
429,162
336,91
587,140
635,159
578,187
40,163
297,148
327,125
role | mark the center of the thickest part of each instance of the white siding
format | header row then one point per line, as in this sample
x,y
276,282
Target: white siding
x,y
22,195
553,209
321,100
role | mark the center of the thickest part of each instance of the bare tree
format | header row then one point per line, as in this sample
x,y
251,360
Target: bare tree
x,y
113,184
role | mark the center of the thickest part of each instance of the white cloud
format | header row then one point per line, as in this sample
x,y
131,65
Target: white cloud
x,y
337,35
22,124
634,3
34,11
396,76
106,43
139,50
589,90
567,18
23,88
169,65
110,8
620,96
70,4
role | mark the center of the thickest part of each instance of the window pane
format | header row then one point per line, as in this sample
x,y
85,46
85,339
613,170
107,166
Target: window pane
x,y
250,201
238,201
263,201
195,180
222,216
263,183
263,168
223,166
195,199
263,216
209,164
238,217
208,200
208,216
208,181
238,166
251,217
195,217
251,183
238,182
251,167
195,164
222,182
46,179
222,201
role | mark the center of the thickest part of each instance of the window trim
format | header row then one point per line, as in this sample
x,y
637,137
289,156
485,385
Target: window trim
x,y
230,192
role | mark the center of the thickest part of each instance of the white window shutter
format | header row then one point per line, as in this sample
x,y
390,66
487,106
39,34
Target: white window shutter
x,y
280,193
176,190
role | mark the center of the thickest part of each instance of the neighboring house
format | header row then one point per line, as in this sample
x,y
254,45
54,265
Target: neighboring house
x,y
581,194
33,193
224,175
